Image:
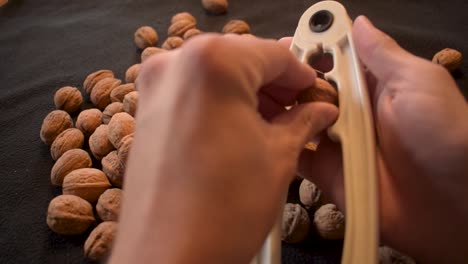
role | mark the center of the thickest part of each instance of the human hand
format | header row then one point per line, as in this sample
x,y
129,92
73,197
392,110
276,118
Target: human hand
x,y
422,133
207,174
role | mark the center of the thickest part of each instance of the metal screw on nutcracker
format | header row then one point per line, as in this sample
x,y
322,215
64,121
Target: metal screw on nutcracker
x,y
325,28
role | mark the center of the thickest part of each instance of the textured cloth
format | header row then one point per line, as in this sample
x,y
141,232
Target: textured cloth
x,y
45,45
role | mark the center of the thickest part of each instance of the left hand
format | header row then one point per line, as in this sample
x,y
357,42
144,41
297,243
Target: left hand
x,y
207,174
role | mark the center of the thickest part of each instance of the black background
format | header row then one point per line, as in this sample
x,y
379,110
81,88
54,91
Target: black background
x,y
45,45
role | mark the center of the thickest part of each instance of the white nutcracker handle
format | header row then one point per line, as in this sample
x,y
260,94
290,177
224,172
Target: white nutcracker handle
x,y
326,28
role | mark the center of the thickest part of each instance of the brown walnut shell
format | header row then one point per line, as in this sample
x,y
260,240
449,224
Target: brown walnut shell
x,y
113,168
108,205
94,78
215,7
172,43
183,16
99,143
451,59
100,95
310,195
130,103
121,124
329,222
69,215
71,160
71,138
87,183
150,51
117,95
236,26
124,149
54,124
88,120
191,33
322,91
98,245
68,99
146,36
178,28
132,73
111,110
296,223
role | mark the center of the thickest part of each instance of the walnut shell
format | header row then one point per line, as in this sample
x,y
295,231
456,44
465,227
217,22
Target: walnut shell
x,y
99,143
94,78
68,99
322,91
296,224
88,120
111,110
451,59
388,255
117,95
310,195
132,73
146,36
108,205
130,103
99,243
178,28
191,33
124,149
236,26
329,222
120,125
215,7
71,160
100,95
172,43
183,16
71,138
69,215
150,51
54,124
87,183
113,168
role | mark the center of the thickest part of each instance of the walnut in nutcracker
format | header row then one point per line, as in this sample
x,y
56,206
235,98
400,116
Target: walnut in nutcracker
x,y
172,43
329,222
310,195
108,205
54,124
111,110
71,160
132,73
87,183
215,7
99,243
130,103
236,26
71,138
99,143
118,93
68,99
69,215
121,124
94,78
113,168
296,223
322,91
146,36
100,95
88,120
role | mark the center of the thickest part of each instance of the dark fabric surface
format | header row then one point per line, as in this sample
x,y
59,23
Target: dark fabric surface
x,y
48,44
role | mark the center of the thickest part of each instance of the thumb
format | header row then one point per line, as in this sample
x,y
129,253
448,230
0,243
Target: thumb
x,y
302,123
379,52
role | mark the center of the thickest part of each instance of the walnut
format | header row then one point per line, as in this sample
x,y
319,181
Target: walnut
x,y
54,124
150,51
145,37
178,28
124,149
322,91
108,205
329,222
99,243
132,73
87,183
71,160
296,224
172,43
451,59
310,195
237,27
183,16
88,120
100,95
69,215
130,103
117,95
99,143
215,7
388,255
71,138
111,110
120,125
191,33
113,168
68,99
95,77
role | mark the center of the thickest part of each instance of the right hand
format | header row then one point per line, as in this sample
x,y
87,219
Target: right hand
x,y
421,121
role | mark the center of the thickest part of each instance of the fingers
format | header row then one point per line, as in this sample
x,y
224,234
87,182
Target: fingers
x,y
285,42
